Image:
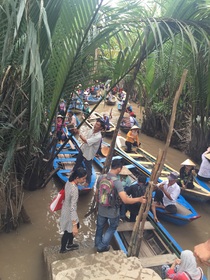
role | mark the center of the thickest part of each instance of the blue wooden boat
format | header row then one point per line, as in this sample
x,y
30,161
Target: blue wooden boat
x,y
76,106
66,160
201,191
93,99
158,247
111,100
185,212
203,184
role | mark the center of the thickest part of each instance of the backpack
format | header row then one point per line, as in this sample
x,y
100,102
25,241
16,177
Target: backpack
x,y
107,194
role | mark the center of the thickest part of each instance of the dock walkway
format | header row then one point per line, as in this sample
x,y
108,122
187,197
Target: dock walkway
x,y
86,264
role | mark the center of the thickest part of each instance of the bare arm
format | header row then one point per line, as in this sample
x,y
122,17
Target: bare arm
x,y
202,252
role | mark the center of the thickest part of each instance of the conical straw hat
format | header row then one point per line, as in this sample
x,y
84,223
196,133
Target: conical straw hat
x,y
125,171
188,162
207,156
135,127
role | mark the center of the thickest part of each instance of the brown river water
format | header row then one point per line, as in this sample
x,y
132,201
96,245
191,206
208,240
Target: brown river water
x,y
21,251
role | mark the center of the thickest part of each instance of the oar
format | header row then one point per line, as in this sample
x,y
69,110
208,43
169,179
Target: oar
x,y
110,113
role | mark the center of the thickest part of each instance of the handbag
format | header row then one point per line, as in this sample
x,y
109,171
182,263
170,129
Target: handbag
x,y
57,202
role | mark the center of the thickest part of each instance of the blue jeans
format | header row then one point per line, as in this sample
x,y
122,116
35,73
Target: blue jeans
x,y
102,241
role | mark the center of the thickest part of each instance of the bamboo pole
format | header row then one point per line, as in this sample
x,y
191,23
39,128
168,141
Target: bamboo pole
x,y
144,209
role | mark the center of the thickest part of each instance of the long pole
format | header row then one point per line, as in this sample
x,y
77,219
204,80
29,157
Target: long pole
x,y
135,243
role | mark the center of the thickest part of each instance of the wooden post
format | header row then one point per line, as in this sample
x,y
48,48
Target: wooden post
x,y
138,230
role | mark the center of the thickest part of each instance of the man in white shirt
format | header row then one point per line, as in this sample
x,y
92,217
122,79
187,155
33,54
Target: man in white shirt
x,y
89,148
166,195
72,120
204,171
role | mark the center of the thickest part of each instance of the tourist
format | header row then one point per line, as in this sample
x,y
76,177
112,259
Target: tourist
x,y
86,109
62,108
136,190
186,174
129,110
110,213
106,121
69,221
204,171
202,253
60,128
184,268
166,195
132,138
72,122
89,148
124,177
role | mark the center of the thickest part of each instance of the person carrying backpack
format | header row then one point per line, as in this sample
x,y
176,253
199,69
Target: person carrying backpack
x,y
109,192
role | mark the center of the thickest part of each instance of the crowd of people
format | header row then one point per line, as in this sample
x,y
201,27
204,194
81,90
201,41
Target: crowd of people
x,y
127,196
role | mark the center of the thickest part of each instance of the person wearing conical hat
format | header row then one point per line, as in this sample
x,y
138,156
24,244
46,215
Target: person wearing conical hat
x,y
60,128
86,109
186,174
204,171
132,138
124,177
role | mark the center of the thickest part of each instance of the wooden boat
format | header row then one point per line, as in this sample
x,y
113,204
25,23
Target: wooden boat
x,y
158,247
199,193
92,119
76,106
111,101
124,128
66,160
93,99
185,212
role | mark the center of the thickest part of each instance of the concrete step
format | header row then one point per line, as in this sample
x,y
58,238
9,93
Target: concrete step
x,y
87,264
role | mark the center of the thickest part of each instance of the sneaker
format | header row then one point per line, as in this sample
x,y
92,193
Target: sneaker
x,y
106,249
72,247
62,251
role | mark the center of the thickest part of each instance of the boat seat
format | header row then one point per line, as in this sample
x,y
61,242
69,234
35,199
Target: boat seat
x,y
127,226
146,162
158,260
165,172
135,155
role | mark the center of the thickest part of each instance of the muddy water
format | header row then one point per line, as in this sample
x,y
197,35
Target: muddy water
x,y
21,255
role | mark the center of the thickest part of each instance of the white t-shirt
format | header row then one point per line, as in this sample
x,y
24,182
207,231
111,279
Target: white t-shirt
x,y
173,190
204,170
90,148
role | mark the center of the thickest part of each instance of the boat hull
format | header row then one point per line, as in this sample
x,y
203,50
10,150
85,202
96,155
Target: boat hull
x,y
93,100
125,128
112,101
